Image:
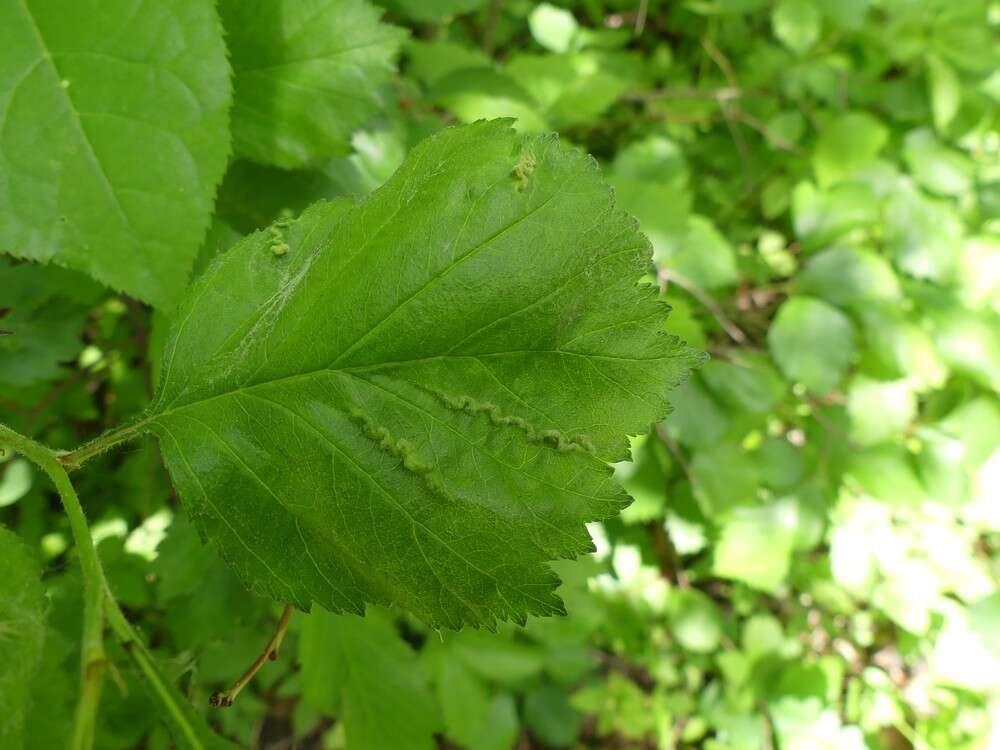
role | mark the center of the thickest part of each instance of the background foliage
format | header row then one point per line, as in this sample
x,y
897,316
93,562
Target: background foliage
x,y
811,557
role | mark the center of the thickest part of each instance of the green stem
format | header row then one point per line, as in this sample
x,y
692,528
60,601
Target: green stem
x,y
104,442
137,651
92,646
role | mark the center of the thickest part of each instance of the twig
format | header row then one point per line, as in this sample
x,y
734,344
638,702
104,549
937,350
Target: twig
x,y
667,558
640,17
675,451
724,93
760,127
665,277
225,698
721,60
490,27
724,104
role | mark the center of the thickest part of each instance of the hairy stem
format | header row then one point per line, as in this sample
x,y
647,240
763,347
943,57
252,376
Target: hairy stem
x,y
226,697
92,646
74,459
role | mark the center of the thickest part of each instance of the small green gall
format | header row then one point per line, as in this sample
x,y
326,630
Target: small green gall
x,y
523,169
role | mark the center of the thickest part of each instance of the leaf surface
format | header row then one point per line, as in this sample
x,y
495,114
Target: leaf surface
x,y
113,136
362,672
812,342
306,75
412,400
46,309
22,633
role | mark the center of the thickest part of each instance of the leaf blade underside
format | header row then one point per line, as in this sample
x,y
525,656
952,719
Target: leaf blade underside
x,y
416,403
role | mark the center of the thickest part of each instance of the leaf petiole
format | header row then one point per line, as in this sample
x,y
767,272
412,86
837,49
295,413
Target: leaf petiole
x,y
225,698
74,459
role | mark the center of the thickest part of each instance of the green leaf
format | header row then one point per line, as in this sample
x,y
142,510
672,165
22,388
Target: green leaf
x,y
484,93
924,236
812,343
887,473
848,14
879,409
22,633
755,545
702,255
663,211
695,621
849,277
114,137
464,699
575,88
822,216
551,717
902,348
970,343
750,382
655,159
499,660
847,144
644,480
979,271
305,75
415,396
359,670
48,309
797,23
698,419
781,465
554,28
429,62
936,167
724,477
945,91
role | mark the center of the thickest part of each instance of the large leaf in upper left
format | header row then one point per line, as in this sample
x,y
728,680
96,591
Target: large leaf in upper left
x,y
113,136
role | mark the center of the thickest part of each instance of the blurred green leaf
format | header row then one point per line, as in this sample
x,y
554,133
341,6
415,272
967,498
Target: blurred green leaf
x,y
945,91
554,28
695,621
923,235
936,167
755,544
359,670
848,143
850,276
879,409
797,23
823,216
812,342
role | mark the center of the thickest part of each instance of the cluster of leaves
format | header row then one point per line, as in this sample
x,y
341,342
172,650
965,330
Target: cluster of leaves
x,y
359,406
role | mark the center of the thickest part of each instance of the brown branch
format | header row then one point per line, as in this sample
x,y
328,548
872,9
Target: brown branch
x,y
640,17
665,277
667,558
726,93
225,698
490,27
